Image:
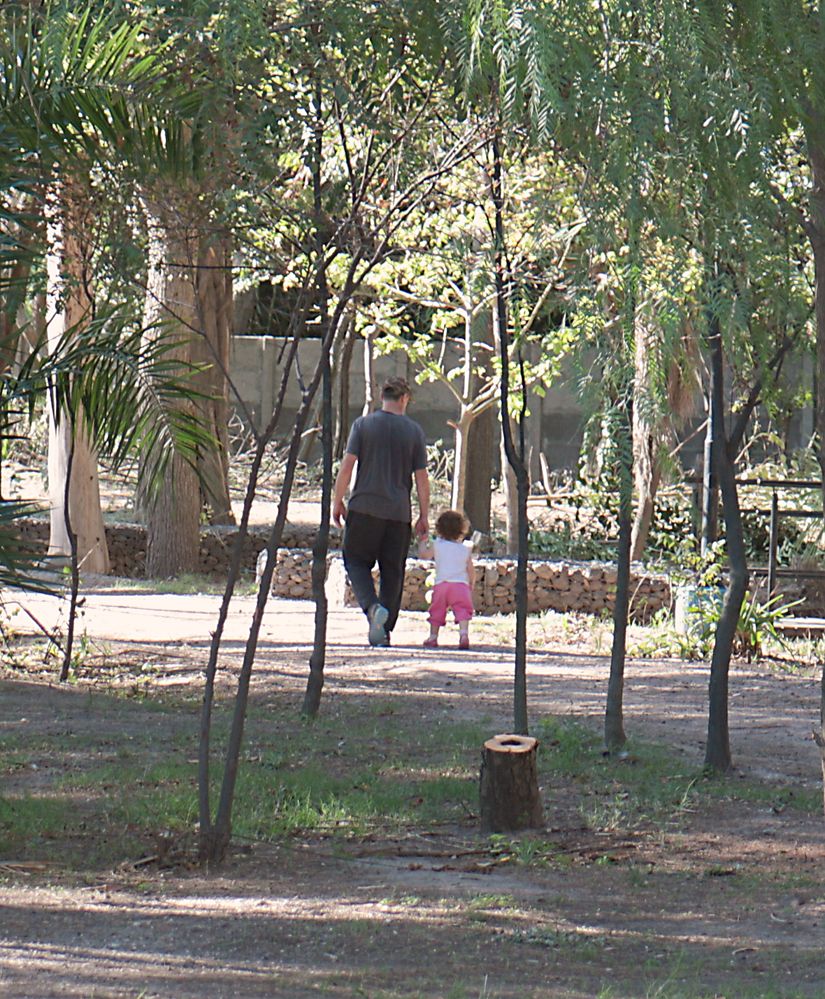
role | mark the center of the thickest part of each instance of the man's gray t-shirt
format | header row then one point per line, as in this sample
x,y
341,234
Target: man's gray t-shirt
x,y
389,448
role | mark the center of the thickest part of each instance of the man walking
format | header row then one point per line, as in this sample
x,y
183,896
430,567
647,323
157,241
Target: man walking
x,y
389,449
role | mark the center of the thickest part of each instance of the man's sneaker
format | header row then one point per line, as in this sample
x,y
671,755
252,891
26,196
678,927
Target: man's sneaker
x,y
377,616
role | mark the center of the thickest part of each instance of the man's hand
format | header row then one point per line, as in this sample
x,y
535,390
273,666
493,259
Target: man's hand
x,y
342,480
422,527
339,512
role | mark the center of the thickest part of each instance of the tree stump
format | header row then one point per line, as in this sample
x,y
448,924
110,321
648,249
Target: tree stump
x,y
509,790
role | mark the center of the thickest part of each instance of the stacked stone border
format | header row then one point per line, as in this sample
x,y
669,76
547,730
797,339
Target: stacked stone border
x,y
586,587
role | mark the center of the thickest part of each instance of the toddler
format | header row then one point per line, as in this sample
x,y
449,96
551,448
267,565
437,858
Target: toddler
x,y
454,577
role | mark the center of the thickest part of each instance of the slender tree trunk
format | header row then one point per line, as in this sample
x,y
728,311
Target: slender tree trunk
x,y
646,439
320,549
714,439
70,307
173,510
342,420
717,753
510,487
816,232
480,438
208,840
614,735
515,460
370,382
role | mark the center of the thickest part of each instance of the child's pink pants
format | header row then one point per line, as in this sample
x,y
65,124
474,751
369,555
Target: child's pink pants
x,y
457,597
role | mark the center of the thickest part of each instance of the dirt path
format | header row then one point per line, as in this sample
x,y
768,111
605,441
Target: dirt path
x,y
730,902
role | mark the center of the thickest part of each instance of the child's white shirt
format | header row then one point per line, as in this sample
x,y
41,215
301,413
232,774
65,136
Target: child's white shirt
x,y
452,561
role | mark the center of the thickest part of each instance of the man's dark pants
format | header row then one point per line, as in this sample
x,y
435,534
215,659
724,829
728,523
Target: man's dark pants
x,y
368,540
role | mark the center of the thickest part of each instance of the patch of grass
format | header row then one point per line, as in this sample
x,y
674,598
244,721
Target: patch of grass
x,y
583,944
314,782
641,786
187,583
506,902
28,820
618,792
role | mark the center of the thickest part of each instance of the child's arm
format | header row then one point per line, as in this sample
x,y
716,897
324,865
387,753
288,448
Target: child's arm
x,y
425,548
471,569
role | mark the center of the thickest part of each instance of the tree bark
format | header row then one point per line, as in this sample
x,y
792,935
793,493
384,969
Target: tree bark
x,y
173,511
370,383
646,440
320,549
816,232
509,795
342,420
210,349
514,456
717,752
479,442
481,447
614,734
70,306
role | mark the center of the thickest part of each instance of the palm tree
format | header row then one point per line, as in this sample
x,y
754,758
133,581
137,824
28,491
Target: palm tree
x,y
71,89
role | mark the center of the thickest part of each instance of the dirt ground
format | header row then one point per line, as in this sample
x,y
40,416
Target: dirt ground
x,y
727,901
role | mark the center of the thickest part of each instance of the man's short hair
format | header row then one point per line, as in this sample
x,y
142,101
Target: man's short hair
x,y
395,388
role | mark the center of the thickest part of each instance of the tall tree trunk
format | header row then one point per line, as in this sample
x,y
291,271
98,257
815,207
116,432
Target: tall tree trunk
x,y
458,487
320,549
479,439
717,752
714,439
173,510
70,307
514,457
481,448
614,735
370,381
510,487
647,443
210,349
342,420
816,232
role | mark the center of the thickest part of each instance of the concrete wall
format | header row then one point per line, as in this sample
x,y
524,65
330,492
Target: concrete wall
x,y
256,364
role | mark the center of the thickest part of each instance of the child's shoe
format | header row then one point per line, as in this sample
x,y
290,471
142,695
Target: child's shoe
x,y
431,643
464,641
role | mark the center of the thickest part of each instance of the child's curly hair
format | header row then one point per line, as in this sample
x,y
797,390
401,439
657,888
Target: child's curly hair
x,y
451,525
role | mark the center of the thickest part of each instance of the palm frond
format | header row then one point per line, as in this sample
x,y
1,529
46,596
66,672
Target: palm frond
x,y
19,558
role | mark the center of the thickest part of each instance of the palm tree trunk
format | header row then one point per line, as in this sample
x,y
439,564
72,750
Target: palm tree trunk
x,y
173,510
210,349
70,307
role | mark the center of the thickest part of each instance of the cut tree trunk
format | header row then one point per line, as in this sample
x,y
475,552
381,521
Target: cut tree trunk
x,y
509,790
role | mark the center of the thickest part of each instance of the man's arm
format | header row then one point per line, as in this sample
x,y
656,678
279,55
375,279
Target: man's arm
x,y
342,481
422,487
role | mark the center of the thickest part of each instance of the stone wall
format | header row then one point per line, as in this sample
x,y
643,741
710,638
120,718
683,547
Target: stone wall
x,y
587,587
127,545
